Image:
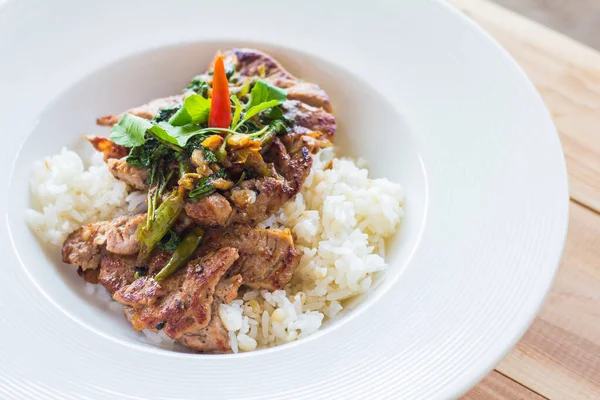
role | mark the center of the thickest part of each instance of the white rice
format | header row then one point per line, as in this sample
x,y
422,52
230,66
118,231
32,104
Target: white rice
x,y
339,221
70,195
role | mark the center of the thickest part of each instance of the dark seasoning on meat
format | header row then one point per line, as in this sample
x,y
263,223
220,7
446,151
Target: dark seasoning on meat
x,y
216,161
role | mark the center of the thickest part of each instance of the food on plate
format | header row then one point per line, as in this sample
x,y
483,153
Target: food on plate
x,y
220,219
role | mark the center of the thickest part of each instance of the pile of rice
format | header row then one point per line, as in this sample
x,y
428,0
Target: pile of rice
x,y
68,194
339,221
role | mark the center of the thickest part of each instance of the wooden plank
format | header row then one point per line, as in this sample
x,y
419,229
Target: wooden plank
x,y
496,386
567,74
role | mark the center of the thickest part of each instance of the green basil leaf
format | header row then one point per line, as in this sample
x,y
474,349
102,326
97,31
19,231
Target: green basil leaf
x,y
209,155
262,92
163,134
138,157
182,134
170,241
204,186
195,110
274,113
262,106
198,85
164,114
130,131
279,126
276,119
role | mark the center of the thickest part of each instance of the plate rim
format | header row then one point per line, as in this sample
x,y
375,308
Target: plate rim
x,y
535,305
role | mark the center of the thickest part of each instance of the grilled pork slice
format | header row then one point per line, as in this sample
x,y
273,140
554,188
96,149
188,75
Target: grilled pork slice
x,y
86,246
215,337
107,147
272,192
135,177
267,257
313,127
115,156
211,211
294,168
116,271
250,62
144,295
186,304
122,237
255,200
183,303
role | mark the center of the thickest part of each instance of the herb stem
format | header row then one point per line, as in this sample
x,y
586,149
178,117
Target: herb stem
x,y
259,133
163,186
238,125
151,206
209,130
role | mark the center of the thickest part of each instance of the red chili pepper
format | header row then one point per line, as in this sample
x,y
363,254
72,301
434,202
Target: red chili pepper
x,y
220,108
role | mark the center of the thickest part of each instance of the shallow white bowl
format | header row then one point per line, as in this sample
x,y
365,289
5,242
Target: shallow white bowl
x,y
418,90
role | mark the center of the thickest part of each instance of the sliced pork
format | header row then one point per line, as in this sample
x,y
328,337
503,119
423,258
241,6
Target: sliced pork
x,y
135,177
183,302
86,246
254,200
215,337
214,210
267,257
107,147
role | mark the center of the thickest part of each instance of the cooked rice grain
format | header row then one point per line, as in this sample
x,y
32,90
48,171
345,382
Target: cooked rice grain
x,y
70,195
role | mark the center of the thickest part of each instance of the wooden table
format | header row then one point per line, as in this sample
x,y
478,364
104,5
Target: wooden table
x,y
559,356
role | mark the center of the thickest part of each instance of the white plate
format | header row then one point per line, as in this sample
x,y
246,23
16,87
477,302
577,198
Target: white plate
x,y
419,91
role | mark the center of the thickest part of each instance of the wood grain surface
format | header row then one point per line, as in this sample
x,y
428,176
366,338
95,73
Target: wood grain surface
x,y
496,386
559,356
